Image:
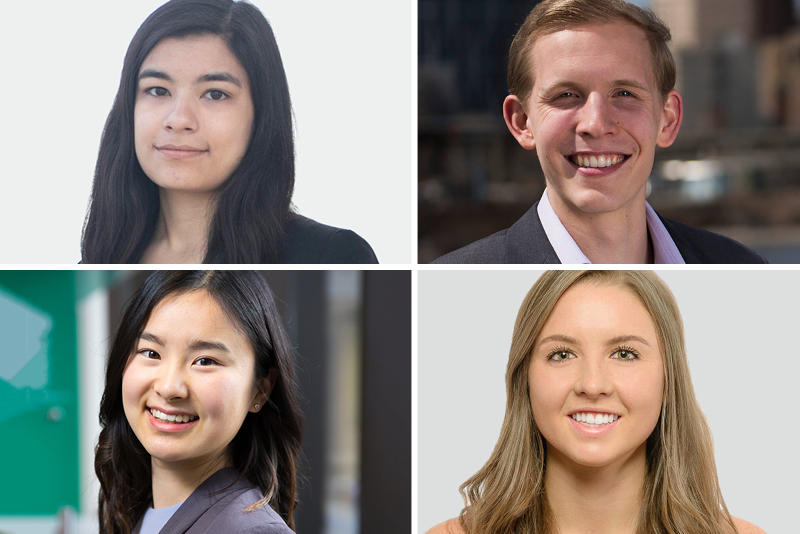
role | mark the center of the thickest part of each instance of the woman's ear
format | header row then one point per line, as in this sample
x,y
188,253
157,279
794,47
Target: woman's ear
x,y
263,389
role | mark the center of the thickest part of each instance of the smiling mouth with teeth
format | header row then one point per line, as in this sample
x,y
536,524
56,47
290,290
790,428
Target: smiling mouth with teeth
x,y
595,419
597,161
161,416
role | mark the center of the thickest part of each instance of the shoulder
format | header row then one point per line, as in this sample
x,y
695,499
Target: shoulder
x,y
307,241
746,528
703,246
451,526
490,249
233,517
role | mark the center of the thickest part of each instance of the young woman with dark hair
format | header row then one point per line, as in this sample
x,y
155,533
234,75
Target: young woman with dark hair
x,y
200,421
196,160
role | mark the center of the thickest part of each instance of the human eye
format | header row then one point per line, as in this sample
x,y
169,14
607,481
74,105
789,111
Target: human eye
x,y
560,354
625,353
149,354
206,362
625,93
156,91
216,95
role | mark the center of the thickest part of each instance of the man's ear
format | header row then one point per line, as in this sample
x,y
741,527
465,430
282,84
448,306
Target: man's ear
x,y
263,389
671,118
517,122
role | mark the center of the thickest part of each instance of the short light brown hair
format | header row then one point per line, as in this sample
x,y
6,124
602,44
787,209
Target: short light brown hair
x,y
555,15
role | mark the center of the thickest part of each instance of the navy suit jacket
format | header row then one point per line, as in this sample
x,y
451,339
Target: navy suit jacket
x,y
526,242
218,504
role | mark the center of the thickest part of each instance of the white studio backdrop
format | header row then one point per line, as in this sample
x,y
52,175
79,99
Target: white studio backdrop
x,y
349,66
739,326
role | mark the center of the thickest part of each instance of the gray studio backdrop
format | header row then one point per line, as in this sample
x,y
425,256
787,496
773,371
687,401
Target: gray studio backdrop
x,y
740,337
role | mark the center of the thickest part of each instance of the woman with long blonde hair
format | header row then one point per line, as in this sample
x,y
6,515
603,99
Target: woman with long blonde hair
x,y
602,431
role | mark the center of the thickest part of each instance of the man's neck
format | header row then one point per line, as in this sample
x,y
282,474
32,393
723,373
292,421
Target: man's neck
x,y
598,500
620,236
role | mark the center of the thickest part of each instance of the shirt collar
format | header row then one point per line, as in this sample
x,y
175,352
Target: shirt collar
x,y
568,251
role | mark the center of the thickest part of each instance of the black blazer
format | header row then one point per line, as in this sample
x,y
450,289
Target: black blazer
x,y
307,241
214,507
526,242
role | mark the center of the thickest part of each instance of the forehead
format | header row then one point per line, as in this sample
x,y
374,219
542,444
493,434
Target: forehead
x,y
616,50
190,315
591,307
193,56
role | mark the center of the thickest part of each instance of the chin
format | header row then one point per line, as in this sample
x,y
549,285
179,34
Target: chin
x,y
595,202
593,458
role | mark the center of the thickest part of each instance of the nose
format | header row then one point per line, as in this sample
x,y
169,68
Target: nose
x,y
170,383
595,117
593,380
181,115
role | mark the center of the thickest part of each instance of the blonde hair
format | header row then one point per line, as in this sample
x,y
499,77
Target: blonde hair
x,y
551,16
681,489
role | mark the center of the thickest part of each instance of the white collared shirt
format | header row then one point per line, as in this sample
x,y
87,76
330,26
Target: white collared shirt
x,y
568,251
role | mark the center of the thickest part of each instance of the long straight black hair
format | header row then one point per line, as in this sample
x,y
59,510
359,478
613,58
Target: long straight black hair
x,y
265,449
254,204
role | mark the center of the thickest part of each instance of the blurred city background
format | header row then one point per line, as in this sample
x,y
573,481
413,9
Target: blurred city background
x,y
734,169
351,332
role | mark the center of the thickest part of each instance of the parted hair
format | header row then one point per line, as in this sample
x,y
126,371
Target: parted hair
x,y
681,489
550,16
254,204
266,447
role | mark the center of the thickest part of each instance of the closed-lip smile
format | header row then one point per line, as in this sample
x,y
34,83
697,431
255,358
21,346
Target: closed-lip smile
x,y
180,151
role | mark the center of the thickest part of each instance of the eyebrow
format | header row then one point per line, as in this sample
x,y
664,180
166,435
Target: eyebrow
x,y
194,345
614,340
210,77
202,344
147,336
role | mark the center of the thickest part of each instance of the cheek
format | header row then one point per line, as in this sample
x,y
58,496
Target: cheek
x,y
134,387
547,394
223,398
142,130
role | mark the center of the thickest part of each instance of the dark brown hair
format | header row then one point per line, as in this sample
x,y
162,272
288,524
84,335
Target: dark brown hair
x,y
254,204
265,449
551,16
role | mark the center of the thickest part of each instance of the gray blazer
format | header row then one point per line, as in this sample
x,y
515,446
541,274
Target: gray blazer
x,y
214,508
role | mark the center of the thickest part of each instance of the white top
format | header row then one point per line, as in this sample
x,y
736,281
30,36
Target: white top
x,y
568,251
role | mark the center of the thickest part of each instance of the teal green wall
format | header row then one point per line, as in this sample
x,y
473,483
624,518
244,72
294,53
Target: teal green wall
x,y
39,401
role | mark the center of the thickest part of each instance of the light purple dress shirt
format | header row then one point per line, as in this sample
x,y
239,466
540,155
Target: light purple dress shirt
x,y
568,251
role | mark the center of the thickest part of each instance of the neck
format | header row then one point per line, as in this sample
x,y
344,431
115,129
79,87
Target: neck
x,y
173,482
597,500
183,226
618,236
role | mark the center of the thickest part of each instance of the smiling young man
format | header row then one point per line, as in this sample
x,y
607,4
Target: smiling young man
x,y
591,87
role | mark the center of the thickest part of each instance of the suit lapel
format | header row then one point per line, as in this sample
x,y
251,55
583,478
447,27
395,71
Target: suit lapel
x,y
526,241
205,497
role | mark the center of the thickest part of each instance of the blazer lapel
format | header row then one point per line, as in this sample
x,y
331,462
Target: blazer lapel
x,y
526,241
205,497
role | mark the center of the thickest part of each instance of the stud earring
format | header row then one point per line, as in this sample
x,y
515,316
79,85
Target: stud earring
x,y
257,407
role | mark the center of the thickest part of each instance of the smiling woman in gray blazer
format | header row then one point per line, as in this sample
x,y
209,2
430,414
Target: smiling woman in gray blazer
x,y
200,424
